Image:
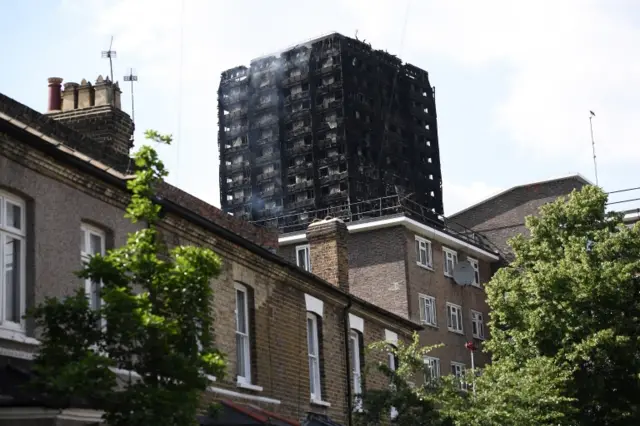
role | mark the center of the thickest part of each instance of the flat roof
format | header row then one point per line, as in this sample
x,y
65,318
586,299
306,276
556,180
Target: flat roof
x,y
402,220
576,176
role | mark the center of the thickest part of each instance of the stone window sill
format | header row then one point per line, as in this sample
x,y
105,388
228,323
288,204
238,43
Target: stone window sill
x,y
17,336
427,267
320,403
249,386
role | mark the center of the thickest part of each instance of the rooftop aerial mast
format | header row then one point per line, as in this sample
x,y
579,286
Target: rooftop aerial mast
x,y
110,54
132,77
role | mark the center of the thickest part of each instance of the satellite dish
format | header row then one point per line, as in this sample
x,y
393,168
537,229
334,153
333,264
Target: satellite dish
x,y
463,273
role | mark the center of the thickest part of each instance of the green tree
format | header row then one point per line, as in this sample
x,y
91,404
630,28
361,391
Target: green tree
x,y
570,302
508,393
411,404
156,320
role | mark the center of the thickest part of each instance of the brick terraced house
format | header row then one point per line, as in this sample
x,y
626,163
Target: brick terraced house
x,y
403,261
62,198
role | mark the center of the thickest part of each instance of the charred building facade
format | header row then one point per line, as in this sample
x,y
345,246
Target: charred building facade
x,y
326,124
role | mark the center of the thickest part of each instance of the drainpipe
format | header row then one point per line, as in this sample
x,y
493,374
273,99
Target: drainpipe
x,y
348,362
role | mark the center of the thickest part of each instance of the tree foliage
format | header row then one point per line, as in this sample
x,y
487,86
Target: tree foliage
x,y
155,321
508,393
571,300
411,405
565,330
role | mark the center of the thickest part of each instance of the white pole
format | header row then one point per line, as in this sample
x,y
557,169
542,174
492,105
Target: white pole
x,y
473,372
593,146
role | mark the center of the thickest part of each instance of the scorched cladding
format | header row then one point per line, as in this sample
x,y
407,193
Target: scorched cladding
x,y
325,124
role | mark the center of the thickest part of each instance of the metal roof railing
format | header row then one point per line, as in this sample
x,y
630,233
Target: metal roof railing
x,y
392,205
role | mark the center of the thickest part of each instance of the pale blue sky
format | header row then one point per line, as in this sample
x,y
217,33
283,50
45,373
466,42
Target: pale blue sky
x,y
514,80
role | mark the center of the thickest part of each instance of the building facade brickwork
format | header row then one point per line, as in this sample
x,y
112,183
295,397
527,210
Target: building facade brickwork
x,y
62,192
502,217
385,270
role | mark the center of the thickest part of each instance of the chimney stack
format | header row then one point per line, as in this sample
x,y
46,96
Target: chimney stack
x,y
86,95
55,100
70,96
94,110
329,252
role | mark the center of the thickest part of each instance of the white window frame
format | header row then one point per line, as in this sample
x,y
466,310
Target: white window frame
x,y
477,323
476,271
448,254
20,234
431,317
314,358
85,255
306,248
453,309
356,368
459,370
245,335
424,244
433,365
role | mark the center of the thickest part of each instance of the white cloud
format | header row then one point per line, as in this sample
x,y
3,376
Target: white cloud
x,y
565,58
458,196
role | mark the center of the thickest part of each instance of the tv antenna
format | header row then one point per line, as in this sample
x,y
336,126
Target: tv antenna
x,y
110,54
593,144
132,77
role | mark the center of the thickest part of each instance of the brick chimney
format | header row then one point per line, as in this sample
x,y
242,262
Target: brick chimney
x,y
329,252
94,110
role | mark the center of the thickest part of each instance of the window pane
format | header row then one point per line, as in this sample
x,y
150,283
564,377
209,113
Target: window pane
x,y
352,352
241,311
240,355
311,333
96,303
14,215
312,375
302,258
96,244
12,278
83,242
